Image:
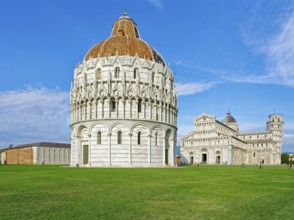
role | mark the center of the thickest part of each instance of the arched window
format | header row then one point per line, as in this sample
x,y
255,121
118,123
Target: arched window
x,y
98,74
99,137
140,105
156,137
139,137
136,72
153,77
116,72
119,138
113,105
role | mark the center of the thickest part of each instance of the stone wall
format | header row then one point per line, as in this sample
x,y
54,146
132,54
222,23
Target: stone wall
x,y
19,156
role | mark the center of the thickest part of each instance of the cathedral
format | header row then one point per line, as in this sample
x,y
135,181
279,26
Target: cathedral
x,y
123,104
215,142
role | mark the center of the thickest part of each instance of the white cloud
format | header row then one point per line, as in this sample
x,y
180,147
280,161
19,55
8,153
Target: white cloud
x,y
280,53
275,41
34,114
193,88
157,4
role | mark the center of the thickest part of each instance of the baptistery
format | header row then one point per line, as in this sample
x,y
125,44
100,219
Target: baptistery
x,y
123,104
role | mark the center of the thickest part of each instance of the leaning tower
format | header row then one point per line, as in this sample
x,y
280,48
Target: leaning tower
x,y
275,125
123,103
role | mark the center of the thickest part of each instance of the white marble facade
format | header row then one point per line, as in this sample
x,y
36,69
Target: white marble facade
x,y
215,142
50,155
123,107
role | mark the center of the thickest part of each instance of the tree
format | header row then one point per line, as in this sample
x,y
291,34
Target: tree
x,y
285,158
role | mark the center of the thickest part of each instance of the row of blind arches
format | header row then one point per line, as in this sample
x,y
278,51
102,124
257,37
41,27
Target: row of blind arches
x,y
114,105
117,73
119,138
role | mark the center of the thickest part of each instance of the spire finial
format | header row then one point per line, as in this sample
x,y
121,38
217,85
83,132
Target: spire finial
x,y
125,12
229,112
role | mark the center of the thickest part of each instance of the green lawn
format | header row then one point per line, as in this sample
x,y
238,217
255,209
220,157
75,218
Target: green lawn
x,y
205,192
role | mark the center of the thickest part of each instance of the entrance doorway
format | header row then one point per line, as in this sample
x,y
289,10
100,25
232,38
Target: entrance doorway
x,y
166,156
218,159
204,158
191,160
85,154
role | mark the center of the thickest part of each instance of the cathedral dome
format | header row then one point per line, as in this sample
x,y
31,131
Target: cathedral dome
x,y
124,40
229,119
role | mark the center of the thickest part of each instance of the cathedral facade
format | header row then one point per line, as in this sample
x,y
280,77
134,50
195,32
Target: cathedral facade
x,y
123,104
215,142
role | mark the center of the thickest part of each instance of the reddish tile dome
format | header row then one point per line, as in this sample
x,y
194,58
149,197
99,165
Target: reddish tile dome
x,y
124,40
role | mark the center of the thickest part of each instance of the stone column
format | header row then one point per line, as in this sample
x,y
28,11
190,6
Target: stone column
x,y
102,108
80,112
116,103
109,108
163,114
90,110
149,148
95,110
78,149
109,149
160,112
85,111
150,109
156,110
130,149
136,107
163,149
173,152
131,105
124,108
89,152
144,108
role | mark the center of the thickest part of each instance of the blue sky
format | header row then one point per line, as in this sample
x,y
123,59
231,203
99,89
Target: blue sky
x,y
236,55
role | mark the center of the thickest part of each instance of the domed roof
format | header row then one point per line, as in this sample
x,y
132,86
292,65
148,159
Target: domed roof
x,y
124,40
229,119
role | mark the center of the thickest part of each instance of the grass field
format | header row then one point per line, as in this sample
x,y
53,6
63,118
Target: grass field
x,y
205,192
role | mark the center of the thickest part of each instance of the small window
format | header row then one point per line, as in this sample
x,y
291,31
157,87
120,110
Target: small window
x,y
135,73
156,137
136,32
253,154
119,138
113,105
121,33
99,137
153,77
139,106
116,72
139,137
98,74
